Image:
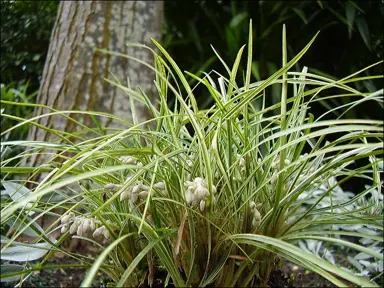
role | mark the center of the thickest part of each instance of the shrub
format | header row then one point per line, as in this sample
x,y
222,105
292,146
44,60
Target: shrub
x,y
13,93
350,28
26,28
12,114
209,196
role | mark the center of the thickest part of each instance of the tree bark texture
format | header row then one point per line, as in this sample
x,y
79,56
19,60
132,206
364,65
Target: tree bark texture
x,y
73,77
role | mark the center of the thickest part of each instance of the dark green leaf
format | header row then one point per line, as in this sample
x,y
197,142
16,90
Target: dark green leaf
x,y
364,31
350,12
238,19
301,14
10,268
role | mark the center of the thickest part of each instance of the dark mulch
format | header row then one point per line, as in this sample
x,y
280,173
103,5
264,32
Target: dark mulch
x,y
299,277
68,277
73,278
290,276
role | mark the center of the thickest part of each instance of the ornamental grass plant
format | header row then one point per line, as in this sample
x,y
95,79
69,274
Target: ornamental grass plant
x,y
216,197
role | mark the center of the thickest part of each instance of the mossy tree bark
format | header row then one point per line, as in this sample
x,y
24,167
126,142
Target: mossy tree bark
x,y
73,77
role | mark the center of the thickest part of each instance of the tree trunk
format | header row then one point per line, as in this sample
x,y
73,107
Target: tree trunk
x,y
73,77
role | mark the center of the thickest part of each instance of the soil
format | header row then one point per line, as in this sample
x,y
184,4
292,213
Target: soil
x,y
74,277
69,277
290,276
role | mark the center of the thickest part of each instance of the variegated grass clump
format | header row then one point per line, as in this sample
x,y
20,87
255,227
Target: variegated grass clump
x,y
224,204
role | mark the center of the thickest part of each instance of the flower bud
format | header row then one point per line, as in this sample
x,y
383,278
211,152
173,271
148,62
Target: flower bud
x,y
111,186
242,164
65,219
256,221
106,233
65,228
128,160
159,185
143,194
202,205
188,197
136,189
197,191
125,195
201,192
196,200
80,231
85,225
98,231
134,197
74,227
92,225
273,179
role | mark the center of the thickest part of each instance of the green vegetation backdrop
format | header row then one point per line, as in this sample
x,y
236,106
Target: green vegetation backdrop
x,y
351,35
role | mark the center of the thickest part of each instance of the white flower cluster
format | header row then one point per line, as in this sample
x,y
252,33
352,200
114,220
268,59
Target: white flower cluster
x,y
242,163
113,187
137,191
255,214
275,166
304,155
160,186
82,226
130,160
101,231
197,192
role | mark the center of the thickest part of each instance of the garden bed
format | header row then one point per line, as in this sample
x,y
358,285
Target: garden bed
x,y
291,276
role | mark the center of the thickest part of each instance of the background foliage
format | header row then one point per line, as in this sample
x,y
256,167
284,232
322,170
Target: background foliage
x,y
26,28
351,35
